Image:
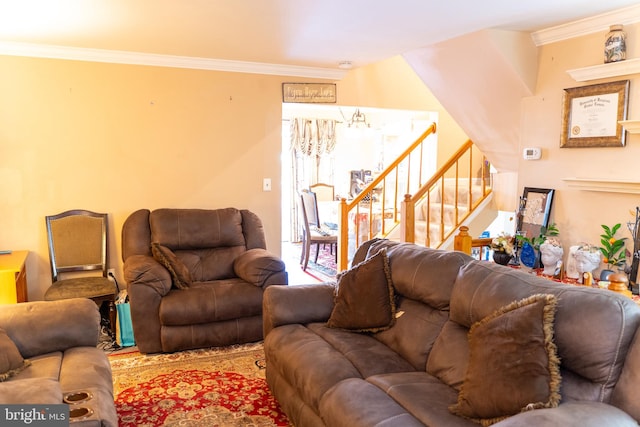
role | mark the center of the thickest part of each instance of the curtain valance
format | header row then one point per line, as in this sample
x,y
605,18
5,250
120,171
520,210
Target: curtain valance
x,y
313,137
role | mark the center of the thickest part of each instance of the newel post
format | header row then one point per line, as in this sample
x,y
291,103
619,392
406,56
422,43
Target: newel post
x,y
407,220
462,240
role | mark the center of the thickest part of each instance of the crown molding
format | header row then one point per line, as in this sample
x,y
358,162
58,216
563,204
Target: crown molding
x,y
155,60
582,27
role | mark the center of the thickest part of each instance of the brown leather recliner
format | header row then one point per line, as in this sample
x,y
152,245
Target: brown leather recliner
x,y
195,277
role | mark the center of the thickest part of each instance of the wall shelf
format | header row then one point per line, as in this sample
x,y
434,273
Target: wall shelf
x,y
603,71
631,126
604,185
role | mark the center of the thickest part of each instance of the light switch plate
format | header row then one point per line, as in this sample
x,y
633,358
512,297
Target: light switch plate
x,y
266,184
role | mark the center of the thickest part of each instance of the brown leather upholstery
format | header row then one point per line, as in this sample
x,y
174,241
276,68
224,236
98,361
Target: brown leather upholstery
x,y
60,340
225,253
410,373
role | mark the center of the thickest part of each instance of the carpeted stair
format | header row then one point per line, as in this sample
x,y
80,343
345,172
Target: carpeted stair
x,y
442,209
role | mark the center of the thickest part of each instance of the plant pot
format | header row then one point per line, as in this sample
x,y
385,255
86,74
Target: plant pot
x,y
501,258
604,274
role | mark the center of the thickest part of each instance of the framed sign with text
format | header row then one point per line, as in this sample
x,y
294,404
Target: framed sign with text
x,y
313,93
590,115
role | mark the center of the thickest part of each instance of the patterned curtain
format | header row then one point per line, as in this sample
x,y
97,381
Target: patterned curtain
x,y
310,138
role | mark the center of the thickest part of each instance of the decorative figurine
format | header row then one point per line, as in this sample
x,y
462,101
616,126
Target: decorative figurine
x,y
550,253
588,258
572,270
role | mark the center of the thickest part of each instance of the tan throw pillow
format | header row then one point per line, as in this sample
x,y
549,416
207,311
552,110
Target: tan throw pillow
x,y
513,364
179,272
364,299
11,361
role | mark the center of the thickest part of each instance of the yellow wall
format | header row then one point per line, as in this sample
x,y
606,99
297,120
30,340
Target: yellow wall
x,y
116,138
391,82
578,214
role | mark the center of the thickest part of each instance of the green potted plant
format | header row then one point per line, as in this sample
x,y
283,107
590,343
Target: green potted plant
x,y
613,250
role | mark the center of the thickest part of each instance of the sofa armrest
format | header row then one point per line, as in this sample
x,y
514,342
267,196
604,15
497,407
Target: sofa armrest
x,y
282,305
143,270
147,283
41,327
578,414
261,268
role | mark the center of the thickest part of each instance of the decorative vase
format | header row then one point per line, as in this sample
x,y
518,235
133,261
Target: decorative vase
x,y
604,274
501,258
615,45
529,256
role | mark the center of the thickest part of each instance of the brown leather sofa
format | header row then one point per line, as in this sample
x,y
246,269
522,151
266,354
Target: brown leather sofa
x,y
411,373
196,277
58,340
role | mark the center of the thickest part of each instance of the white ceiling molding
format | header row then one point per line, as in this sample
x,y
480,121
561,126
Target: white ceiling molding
x,y
156,60
582,27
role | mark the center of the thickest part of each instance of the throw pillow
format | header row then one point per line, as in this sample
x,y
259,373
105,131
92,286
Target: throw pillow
x,y
179,272
364,300
11,361
513,365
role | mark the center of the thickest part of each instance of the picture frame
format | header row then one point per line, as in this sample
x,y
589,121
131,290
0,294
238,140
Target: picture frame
x,y
591,115
534,211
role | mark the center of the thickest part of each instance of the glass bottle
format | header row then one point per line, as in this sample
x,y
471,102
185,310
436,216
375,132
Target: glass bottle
x,y
615,46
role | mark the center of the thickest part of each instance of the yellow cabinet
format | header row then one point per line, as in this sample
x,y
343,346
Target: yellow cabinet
x,y
13,277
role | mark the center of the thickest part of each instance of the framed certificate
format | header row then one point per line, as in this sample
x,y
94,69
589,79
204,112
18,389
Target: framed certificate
x,y
591,114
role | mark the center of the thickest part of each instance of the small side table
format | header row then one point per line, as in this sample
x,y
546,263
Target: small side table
x,y
13,277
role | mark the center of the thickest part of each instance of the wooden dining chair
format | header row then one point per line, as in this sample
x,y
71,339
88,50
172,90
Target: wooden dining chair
x,y
324,192
312,233
78,248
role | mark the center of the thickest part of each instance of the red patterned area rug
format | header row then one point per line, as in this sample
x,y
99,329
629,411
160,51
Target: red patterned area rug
x,y
325,269
223,387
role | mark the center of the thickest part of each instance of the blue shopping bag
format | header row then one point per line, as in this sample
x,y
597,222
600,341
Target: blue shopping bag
x,y
124,334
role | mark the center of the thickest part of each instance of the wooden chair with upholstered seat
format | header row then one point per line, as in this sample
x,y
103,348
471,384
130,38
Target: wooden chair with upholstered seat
x,y
312,234
78,247
324,192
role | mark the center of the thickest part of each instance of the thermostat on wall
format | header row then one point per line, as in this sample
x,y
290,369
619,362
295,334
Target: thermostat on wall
x,y
532,153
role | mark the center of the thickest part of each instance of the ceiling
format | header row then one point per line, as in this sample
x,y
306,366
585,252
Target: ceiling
x,y
308,33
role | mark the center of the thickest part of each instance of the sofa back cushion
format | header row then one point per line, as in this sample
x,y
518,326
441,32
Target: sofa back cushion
x,y
196,228
422,274
593,327
449,356
423,280
206,241
414,332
